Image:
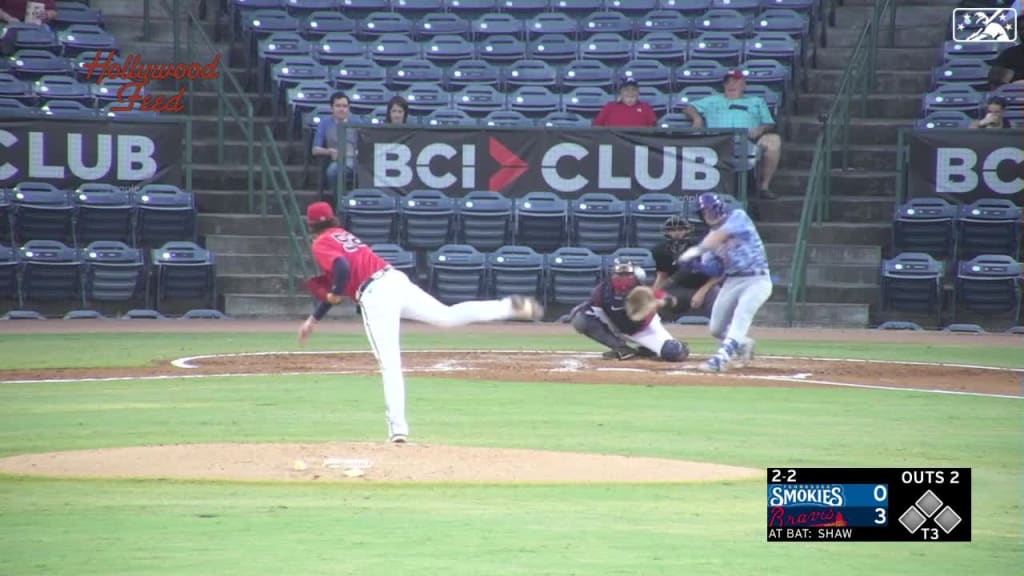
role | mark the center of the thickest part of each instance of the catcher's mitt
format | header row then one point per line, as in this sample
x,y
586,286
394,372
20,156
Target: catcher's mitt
x,y
641,303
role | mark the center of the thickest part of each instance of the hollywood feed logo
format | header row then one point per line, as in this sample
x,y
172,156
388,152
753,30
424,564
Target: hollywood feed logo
x,y
139,76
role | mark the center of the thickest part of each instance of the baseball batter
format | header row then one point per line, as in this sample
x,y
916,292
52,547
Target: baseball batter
x,y
732,249
385,295
604,319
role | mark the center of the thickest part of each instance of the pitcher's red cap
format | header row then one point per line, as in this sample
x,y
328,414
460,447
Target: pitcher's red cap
x,y
319,212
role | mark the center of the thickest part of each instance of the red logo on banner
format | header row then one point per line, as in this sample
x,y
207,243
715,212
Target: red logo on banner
x,y
510,165
140,75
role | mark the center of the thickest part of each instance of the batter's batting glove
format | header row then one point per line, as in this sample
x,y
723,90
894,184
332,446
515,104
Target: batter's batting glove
x,y
691,253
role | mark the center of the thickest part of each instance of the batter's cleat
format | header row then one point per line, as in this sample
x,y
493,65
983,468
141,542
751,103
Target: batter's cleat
x,y
745,356
714,364
622,353
525,308
399,439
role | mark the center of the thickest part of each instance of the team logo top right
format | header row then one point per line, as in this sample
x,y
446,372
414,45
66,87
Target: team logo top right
x,y
985,25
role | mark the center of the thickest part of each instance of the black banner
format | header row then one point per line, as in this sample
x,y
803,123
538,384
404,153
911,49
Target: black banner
x,y
569,162
67,153
963,166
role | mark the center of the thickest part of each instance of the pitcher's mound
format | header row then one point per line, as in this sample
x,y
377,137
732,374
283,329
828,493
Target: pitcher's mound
x,y
362,462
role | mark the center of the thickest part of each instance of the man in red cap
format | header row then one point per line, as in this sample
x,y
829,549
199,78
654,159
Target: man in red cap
x,y
385,295
628,110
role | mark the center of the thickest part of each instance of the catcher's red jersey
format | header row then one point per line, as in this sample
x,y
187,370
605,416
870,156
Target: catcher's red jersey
x,y
340,243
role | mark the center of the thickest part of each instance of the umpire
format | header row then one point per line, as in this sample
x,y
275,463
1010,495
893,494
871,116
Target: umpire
x,y
694,292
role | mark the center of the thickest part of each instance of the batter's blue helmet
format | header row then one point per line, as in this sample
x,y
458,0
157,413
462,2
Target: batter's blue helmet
x,y
711,205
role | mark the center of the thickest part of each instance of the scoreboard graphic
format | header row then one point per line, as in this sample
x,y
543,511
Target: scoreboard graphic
x,y
869,504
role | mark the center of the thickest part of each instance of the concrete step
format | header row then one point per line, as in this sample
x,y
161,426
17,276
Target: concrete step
x,y
279,306
863,131
888,59
236,151
924,37
847,254
264,245
875,157
843,209
262,283
827,275
879,105
233,201
815,315
204,127
241,225
827,81
793,182
907,17
826,292
136,9
216,176
827,233
252,264
129,28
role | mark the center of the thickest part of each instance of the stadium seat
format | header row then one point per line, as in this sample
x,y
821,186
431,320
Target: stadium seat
x,y
700,73
944,119
502,49
959,97
722,20
275,48
690,7
184,272
424,98
337,46
586,100
675,120
563,120
648,73
658,100
259,24
523,9
370,214
541,221
241,12
515,270
305,97
71,13
585,73
9,275
506,118
19,36
14,88
663,47
805,7
112,272
953,50
720,47
363,8
989,285
135,113
377,24
534,101
647,215
50,272
485,219
772,98
390,49
303,8
553,48
102,212
319,24
79,38
572,275
364,97
291,71
973,73
163,213
52,87
577,8
470,8
428,219
41,212
611,49
14,109
640,257
471,73
412,71
912,282
632,8
552,23
441,23
399,258
768,73
690,94
529,73
598,222
479,100
105,93
416,8
448,117
782,20
606,22
925,225
457,274
496,24
777,46
989,226
1013,94
447,49
34,64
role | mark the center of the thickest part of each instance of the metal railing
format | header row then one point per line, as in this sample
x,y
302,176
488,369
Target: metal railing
x,y
857,81
274,179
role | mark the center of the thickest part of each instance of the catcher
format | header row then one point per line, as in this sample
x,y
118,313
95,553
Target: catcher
x,y
622,311
692,288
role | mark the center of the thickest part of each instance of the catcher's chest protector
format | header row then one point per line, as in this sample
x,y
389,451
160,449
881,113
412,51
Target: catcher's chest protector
x,y
613,302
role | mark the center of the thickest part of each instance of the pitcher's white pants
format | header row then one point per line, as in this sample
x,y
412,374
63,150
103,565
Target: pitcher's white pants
x,y
392,297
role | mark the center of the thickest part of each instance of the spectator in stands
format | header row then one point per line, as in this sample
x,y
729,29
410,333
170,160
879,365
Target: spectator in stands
x,y
14,11
628,110
993,115
735,110
398,111
326,142
1009,62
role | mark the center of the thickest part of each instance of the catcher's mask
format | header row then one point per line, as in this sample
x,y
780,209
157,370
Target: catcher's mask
x,y
623,276
676,224
623,268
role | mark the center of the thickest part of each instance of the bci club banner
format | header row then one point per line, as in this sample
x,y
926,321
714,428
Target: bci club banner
x,y
68,153
567,162
962,166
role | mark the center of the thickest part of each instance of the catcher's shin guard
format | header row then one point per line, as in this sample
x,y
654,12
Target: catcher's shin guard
x,y
586,323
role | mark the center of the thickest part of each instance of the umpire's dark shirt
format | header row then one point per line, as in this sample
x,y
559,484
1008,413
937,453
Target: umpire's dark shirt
x,y
665,261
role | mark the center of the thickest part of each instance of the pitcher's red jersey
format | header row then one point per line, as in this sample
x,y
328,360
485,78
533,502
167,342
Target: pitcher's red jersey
x,y
340,243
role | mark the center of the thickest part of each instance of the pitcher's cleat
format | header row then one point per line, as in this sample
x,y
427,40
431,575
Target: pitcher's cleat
x,y
525,308
399,439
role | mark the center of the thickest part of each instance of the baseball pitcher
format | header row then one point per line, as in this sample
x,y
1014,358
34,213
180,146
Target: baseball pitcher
x,y
732,249
385,295
622,311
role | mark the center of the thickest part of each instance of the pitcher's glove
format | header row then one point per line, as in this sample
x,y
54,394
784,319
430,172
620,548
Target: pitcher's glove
x,y
641,303
320,288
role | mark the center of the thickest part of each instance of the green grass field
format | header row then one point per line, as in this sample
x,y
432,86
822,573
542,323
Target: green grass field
x,y
169,528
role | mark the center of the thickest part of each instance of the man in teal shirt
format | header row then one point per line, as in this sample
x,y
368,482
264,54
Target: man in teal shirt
x,y
735,110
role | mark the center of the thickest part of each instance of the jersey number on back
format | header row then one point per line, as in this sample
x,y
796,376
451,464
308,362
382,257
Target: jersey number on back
x,y
349,242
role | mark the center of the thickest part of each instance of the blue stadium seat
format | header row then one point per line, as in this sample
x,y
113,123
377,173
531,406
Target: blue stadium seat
x,y
925,225
379,115
9,275
363,8
529,73
534,101
563,120
378,24
479,100
658,100
485,219
965,71
306,97
20,36
337,46
79,66
470,8
319,24
447,49
50,272
598,222
292,70
542,221
275,48
425,98
691,7
352,71
554,48
675,120
585,73
769,73
771,98
34,64
79,38
303,8
414,70
777,46
722,20
806,7
370,214
523,9
1013,94
912,282
662,47
989,285
112,272
607,22
163,213
51,87
944,119
119,115
586,100
506,118
647,215
611,49
471,73
960,97
640,257
428,219
690,94
11,108
496,24
416,8
572,275
502,49
457,274
448,117
241,12
670,21
102,212
989,226
107,91
364,97
632,8
259,24
184,272
440,23
393,48
648,73
515,270
782,20
41,212
720,47
742,6
552,23
952,50
71,13
577,7
700,73
399,258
